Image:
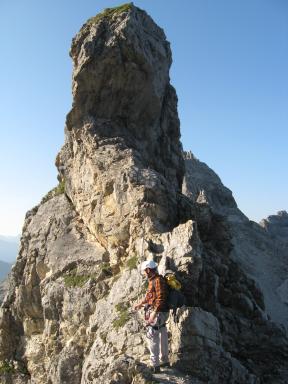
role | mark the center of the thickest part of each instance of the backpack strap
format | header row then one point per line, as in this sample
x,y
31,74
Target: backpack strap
x,y
165,309
160,277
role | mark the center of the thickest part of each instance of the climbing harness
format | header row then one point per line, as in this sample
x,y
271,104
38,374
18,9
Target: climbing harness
x,y
150,328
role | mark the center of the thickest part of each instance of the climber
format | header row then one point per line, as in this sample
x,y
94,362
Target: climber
x,y
156,315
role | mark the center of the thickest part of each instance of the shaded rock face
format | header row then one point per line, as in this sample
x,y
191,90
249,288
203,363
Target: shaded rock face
x,y
202,185
261,250
67,315
242,284
277,226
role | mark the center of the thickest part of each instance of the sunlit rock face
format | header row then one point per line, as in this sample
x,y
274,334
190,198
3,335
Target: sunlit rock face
x,y
67,316
122,158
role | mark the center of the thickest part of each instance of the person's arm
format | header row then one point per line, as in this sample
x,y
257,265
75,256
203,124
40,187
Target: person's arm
x,y
140,304
144,301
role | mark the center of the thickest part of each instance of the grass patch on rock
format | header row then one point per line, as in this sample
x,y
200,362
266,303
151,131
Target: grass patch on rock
x,y
73,280
6,367
109,12
132,263
123,315
59,190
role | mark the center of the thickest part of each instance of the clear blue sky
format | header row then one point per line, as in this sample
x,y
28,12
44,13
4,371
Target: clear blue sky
x,y
230,70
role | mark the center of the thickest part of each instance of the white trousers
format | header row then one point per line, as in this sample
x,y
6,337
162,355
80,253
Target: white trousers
x,y
158,340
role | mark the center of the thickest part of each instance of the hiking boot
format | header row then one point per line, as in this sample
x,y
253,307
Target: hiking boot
x,y
155,369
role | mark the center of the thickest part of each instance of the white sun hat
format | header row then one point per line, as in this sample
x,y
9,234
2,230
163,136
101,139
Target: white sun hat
x,y
148,264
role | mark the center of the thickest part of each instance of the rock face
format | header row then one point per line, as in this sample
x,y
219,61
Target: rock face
x,y
67,315
261,250
3,289
202,185
277,226
122,158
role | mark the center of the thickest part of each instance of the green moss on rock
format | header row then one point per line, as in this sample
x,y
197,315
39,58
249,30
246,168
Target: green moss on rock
x,y
109,12
123,315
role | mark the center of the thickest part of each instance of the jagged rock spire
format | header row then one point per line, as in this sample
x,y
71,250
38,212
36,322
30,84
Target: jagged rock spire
x,y
122,160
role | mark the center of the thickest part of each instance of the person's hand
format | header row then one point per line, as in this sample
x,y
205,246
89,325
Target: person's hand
x,y
152,318
137,306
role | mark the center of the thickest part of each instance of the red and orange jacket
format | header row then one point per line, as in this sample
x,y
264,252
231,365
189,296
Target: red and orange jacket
x,y
157,293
